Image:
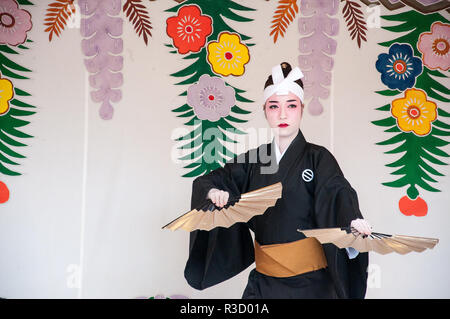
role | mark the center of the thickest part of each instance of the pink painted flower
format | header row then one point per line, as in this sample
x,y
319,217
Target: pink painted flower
x,y
435,46
211,98
14,23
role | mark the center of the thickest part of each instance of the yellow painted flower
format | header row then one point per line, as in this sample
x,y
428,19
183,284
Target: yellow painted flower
x,y
6,94
228,55
414,113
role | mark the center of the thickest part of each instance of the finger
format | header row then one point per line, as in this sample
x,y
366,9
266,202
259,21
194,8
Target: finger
x,y
227,196
360,227
216,199
367,227
222,198
355,224
367,230
211,192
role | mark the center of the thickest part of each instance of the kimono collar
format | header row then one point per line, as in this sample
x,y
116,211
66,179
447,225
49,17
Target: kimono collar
x,y
293,150
278,155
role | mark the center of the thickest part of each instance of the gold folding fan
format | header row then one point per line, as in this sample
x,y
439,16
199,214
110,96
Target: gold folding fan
x,y
241,209
381,243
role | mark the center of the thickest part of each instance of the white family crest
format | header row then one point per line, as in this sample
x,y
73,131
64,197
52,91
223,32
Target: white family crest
x,y
307,175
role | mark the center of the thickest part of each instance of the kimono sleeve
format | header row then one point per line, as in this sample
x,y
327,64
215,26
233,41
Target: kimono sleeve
x,y
336,205
219,254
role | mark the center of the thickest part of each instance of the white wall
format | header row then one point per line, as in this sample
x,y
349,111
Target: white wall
x,y
104,208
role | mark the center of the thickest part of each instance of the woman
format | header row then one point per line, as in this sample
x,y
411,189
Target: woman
x,y
315,195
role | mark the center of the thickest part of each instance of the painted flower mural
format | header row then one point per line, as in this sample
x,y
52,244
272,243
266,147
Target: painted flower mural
x,y
14,23
211,98
211,104
317,25
101,26
435,46
417,119
414,113
399,68
6,94
189,29
228,55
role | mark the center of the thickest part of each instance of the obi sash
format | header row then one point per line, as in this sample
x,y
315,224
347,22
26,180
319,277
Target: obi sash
x,y
290,259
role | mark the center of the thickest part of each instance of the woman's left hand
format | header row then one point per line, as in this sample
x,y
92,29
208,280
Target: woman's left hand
x,y
362,226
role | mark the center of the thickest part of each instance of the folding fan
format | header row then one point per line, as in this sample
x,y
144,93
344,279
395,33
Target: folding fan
x,y
240,209
381,243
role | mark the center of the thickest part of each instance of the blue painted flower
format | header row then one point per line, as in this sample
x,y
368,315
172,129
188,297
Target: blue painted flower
x,y
399,68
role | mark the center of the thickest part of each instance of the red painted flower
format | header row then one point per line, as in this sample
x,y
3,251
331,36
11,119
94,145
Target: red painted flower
x,y
416,207
189,29
4,193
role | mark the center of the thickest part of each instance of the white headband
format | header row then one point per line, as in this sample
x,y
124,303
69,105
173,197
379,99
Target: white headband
x,y
283,85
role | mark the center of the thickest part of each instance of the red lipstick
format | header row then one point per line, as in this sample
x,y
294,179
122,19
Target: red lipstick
x,y
283,125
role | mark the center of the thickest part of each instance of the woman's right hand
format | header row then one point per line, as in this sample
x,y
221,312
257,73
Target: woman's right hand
x,y
218,197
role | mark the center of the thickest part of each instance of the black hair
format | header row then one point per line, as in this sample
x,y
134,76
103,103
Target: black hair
x,y
286,68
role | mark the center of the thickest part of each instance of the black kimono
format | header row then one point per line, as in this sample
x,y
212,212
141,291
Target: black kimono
x,y
315,195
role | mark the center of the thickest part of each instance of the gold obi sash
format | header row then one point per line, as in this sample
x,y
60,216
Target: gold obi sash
x,y
290,259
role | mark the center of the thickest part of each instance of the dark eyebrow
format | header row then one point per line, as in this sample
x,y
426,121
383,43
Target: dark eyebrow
x,y
292,100
273,101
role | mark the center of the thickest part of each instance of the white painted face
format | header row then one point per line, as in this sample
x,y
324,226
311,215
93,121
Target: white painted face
x,y
284,113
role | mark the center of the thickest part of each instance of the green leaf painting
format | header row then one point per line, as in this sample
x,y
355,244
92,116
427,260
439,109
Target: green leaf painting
x,y
14,109
207,150
415,69
13,119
